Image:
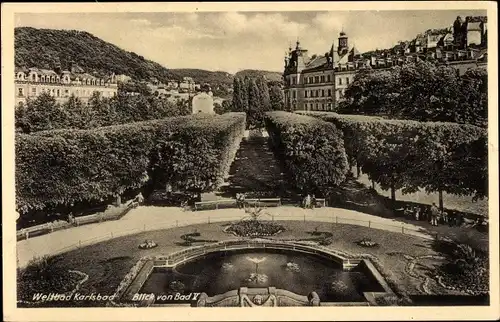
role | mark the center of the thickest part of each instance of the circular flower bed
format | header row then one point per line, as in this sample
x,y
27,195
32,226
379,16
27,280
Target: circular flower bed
x,y
254,228
366,242
148,244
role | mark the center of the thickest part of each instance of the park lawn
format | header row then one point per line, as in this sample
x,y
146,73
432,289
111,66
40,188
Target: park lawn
x,y
452,202
355,195
108,262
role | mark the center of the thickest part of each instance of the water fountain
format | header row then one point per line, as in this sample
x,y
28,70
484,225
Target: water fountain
x,y
256,277
261,272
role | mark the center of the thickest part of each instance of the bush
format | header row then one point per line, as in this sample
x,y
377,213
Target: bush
x,y
467,270
42,275
312,150
64,166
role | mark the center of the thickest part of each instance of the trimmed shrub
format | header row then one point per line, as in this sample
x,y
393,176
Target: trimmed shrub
x,y
402,154
312,150
64,166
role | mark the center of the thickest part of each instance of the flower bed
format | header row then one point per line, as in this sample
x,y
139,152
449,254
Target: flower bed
x,y
254,228
467,271
367,242
44,277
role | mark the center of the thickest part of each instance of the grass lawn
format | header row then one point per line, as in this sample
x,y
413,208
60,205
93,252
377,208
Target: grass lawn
x,y
106,263
452,202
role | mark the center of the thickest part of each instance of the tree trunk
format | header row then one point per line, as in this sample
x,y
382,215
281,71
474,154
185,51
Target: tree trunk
x,y
373,185
393,195
441,206
358,170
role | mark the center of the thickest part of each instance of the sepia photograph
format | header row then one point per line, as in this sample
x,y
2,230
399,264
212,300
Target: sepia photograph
x,y
189,156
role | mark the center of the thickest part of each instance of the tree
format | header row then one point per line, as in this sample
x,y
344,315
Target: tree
x,y
265,101
473,93
227,106
276,98
79,114
422,92
255,109
41,113
218,108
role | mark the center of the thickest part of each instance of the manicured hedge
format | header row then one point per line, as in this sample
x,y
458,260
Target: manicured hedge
x,y
312,150
402,154
65,166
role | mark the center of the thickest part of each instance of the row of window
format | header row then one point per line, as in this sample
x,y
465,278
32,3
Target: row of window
x,y
317,106
321,79
56,79
317,92
60,93
318,79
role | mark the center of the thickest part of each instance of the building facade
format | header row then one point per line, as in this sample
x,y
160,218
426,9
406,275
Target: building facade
x,y
319,82
31,82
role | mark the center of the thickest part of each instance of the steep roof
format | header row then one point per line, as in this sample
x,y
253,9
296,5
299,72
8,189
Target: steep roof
x,y
20,69
354,51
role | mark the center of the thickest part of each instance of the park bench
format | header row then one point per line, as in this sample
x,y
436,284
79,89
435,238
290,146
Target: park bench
x,y
263,202
84,220
320,202
216,204
42,229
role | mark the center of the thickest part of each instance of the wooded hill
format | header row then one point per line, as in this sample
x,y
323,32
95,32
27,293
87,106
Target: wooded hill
x,y
253,73
48,48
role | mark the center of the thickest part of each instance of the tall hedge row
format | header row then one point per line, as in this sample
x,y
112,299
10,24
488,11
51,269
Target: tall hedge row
x,y
408,155
64,166
312,150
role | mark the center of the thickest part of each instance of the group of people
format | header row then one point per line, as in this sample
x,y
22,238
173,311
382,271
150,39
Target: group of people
x,y
431,214
309,201
435,217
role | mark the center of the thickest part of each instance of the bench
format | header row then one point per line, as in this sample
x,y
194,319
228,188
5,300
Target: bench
x,y
320,202
266,202
216,204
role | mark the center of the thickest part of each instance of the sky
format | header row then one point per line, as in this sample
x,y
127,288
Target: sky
x,y
232,41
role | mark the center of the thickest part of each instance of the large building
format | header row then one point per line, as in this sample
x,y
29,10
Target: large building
x,y
318,82
31,82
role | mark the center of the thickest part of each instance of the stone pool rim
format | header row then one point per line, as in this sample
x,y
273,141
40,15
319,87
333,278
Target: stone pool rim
x,y
137,276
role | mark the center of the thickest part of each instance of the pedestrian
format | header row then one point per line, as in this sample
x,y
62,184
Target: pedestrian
x,y
434,214
417,213
444,217
307,201
407,212
313,202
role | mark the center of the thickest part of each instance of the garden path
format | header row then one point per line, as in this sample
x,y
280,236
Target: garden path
x,y
255,170
154,218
